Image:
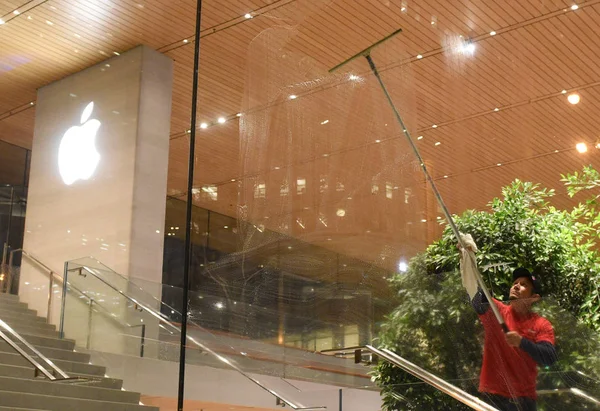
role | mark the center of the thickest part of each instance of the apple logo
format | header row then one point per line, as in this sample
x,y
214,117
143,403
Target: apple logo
x,y
77,155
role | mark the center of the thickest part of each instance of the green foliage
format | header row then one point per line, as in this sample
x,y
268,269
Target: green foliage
x,y
434,325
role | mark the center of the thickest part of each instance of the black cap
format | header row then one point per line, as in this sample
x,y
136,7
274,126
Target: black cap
x,y
535,279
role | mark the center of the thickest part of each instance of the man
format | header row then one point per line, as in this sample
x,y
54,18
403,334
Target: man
x,y
509,371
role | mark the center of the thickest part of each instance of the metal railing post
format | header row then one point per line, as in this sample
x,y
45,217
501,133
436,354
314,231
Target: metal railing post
x,y
50,285
63,303
4,254
143,340
88,343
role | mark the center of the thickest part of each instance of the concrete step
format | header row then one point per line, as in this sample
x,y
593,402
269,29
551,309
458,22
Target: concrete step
x,y
75,390
52,353
26,318
8,309
5,296
43,331
13,304
20,323
13,371
44,341
69,367
54,403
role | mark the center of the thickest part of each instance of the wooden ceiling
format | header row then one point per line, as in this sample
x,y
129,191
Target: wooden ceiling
x,y
482,118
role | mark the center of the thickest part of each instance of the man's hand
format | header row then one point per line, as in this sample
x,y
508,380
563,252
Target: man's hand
x,y
513,338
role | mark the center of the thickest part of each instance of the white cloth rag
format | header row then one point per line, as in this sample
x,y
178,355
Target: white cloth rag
x,y
467,264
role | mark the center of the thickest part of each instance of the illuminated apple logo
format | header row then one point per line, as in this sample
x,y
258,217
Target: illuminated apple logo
x,y
77,155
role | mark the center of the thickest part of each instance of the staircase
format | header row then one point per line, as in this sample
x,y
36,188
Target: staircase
x,y
20,390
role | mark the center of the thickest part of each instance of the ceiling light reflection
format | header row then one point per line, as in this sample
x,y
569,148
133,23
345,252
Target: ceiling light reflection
x,y
581,147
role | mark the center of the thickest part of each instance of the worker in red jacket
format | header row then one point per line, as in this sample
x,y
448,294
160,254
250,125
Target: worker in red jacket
x,y
509,371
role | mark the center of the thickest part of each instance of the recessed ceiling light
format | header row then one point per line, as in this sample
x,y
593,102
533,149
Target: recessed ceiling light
x,y
499,164
434,126
116,53
420,138
353,77
32,103
378,141
432,23
188,131
492,33
203,125
597,145
107,65
325,155
564,91
423,220
324,122
238,115
48,22
437,143
419,56
248,15
293,97
16,12
340,212
445,176
573,98
2,22
574,7
403,9
186,41
221,120
581,147
276,168
496,109
29,18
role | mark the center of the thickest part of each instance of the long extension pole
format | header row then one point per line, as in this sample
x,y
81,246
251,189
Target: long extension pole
x,y
367,54
188,213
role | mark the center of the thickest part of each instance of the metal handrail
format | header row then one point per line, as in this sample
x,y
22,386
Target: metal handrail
x,y
433,380
29,358
72,287
159,316
574,391
45,267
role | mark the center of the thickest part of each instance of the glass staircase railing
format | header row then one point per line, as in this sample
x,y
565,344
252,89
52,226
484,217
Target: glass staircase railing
x,y
121,298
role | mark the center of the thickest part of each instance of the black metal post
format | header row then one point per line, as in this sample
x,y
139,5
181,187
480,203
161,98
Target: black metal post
x,y
143,340
10,212
188,214
341,394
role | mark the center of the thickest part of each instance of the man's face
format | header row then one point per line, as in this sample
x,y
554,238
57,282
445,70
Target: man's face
x,y
522,288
